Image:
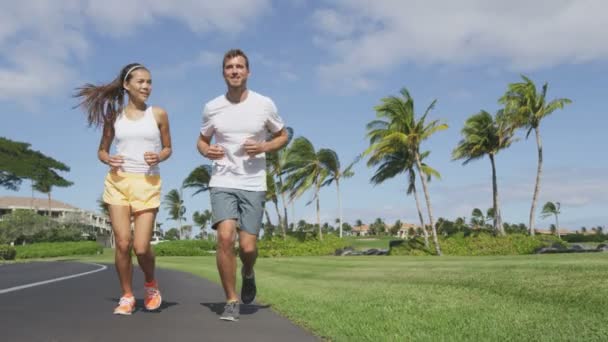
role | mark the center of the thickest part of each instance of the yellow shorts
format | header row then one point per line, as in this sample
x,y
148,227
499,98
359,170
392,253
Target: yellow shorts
x,y
139,191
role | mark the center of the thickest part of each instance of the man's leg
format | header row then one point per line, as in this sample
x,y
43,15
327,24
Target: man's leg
x,y
248,251
252,211
226,259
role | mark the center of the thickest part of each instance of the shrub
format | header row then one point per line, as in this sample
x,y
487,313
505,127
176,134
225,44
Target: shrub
x,y
184,248
300,245
584,238
480,244
57,249
7,252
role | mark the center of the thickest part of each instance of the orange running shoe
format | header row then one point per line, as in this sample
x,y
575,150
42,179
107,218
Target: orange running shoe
x,y
126,306
153,298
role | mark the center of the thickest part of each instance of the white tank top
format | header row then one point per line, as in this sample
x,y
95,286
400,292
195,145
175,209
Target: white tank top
x,y
135,137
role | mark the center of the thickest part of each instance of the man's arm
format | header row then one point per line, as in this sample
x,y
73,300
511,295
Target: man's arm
x,y
279,139
204,146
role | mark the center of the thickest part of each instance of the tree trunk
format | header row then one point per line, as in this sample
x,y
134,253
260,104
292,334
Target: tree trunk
x,y
428,203
285,221
319,214
425,233
280,222
49,195
339,206
267,216
539,171
498,228
557,227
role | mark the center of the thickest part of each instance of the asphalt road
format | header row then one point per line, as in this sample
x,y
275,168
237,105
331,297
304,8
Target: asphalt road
x,y
71,301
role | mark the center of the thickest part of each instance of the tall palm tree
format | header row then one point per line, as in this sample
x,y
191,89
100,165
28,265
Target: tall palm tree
x,y
395,163
202,219
271,195
550,209
332,164
306,169
484,135
396,127
174,203
526,108
274,163
198,179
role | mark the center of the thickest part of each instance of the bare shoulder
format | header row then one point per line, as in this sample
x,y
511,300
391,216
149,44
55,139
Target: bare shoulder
x,y
160,114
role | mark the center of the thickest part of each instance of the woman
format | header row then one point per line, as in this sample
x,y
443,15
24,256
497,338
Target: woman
x,y
132,187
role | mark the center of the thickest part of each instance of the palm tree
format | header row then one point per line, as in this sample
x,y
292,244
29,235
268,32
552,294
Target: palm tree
x,y
275,162
526,108
306,169
174,203
483,135
396,128
198,179
402,161
332,164
549,209
203,219
271,195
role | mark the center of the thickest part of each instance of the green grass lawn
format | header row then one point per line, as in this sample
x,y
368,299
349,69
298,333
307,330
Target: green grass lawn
x,y
517,298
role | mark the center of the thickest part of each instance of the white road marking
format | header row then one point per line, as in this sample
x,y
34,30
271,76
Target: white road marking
x,y
54,280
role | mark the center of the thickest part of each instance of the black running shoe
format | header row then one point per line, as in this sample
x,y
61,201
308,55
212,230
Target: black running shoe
x,y
248,289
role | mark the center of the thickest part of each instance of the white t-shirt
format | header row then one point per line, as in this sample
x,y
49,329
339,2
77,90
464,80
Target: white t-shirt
x,y
233,123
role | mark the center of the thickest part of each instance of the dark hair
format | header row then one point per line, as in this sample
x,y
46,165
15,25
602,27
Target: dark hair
x,y
235,53
102,103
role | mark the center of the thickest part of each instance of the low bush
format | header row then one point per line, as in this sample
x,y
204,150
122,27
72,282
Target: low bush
x,y
300,245
57,249
7,252
184,248
479,244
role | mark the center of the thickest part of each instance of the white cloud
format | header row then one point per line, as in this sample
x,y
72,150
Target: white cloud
x,y
41,42
364,38
119,17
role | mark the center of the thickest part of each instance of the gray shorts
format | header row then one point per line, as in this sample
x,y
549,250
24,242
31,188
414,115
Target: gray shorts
x,y
246,207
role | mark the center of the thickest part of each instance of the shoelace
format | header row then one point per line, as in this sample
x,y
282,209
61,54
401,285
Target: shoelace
x,y
125,301
151,291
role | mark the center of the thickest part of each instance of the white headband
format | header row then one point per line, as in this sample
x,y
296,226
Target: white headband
x,y
132,68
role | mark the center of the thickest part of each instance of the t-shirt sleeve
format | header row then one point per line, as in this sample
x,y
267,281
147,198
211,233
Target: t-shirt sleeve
x,y
274,122
207,129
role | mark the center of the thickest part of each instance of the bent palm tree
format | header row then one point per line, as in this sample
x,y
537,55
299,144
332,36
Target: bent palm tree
x,y
483,135
397,162
305,169
526,108
397,127
549,209
174,203
274,163
332,164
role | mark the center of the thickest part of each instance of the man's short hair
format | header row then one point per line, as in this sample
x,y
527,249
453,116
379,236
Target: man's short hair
x,y
235,53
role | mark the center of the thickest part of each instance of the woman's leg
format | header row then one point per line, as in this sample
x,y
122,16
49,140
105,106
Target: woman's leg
x,y
120,216
144,227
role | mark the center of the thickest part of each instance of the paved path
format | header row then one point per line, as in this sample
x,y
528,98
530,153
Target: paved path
x,y
80,308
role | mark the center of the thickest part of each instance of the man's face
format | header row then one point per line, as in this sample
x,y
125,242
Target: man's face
x,y
236,72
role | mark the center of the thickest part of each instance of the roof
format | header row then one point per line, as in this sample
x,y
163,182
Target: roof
x,y
29,202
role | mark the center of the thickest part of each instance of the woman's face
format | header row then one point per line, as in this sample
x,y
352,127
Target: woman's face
x,y
139,85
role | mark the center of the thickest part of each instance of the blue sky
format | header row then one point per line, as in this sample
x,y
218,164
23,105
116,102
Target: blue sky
x,y
326,64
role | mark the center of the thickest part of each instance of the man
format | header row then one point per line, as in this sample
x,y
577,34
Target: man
x,y
240,122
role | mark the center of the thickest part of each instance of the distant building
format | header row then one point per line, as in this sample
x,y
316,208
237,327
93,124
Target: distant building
x,y
362,230
62,212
